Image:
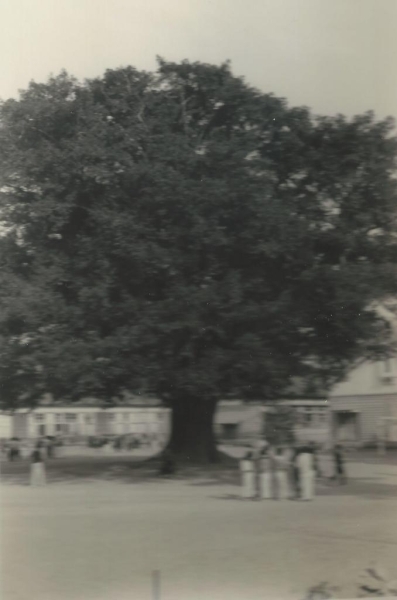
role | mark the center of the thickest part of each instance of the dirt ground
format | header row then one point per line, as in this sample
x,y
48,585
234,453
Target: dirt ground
x,y
86,539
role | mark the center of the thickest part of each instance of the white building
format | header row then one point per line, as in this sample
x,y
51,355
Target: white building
x,y
90,421
5,426
364,405
237,420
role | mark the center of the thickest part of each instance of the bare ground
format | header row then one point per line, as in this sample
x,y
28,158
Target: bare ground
x,y
83,538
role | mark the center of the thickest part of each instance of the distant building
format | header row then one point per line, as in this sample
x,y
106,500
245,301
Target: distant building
x,y
85,420
363,406
237,420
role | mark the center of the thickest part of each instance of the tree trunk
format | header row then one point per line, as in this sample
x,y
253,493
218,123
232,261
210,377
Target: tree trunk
x,y
192,435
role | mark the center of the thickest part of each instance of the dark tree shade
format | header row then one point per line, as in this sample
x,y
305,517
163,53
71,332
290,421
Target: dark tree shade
x,y
184,235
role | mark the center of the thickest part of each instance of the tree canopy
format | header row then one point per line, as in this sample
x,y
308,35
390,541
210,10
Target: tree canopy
x,y
182,234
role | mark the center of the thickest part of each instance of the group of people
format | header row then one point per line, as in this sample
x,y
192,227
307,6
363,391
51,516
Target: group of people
x,y
16,449
285,472
43,448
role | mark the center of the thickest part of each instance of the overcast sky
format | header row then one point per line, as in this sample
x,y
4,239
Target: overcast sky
x,y
331,55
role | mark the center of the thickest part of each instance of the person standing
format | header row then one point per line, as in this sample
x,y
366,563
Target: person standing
x,y
50,447
247,468
305,464
14,450
294,473
339,459
37,469
316,462
265,476
280,463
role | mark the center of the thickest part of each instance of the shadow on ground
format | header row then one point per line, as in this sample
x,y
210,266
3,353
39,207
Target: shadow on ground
x,y
128,470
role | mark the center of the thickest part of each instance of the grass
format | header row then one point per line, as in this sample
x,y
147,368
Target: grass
x,y
127,469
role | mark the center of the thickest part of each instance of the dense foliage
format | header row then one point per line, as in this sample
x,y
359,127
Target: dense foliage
x,y
184,235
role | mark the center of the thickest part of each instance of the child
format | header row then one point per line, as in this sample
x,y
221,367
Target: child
x,y
265,475
247,469
37,470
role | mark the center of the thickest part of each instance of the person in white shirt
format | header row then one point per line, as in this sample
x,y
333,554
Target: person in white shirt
x,y
37,468
305,464
247,468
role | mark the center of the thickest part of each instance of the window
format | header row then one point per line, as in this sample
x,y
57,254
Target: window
x,y
58,417
111,416
39,417
88,418
387,372
71,416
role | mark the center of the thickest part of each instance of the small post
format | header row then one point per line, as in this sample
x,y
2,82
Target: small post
x,y
156,585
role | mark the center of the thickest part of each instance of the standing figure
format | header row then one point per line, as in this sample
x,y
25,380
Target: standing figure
x,y
294,475
50,447
265,475
13,449
305,464
258,448
340,471
37,469
247,468
316,462
280,463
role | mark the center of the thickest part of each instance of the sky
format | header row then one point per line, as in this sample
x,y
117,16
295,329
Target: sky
x,y
335,56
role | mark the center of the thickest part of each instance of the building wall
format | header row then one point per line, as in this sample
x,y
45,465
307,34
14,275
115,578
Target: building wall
x,y
19,426
369,409
91,421
243,421
369,392
234,419
369,379
5,426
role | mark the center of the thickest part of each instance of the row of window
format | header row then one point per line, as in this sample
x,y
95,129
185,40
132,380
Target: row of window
x,y
87,418
309,415
58,416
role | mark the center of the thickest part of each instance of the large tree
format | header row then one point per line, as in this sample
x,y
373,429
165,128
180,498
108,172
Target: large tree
x,y
185,235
